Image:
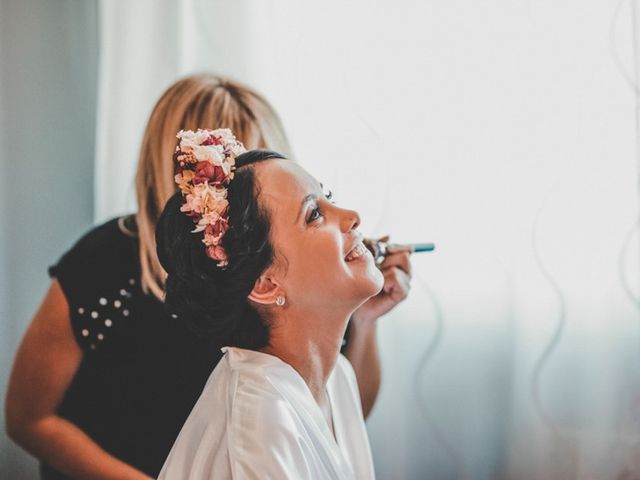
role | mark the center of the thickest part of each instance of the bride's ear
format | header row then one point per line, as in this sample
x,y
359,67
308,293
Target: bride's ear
x,y
265,291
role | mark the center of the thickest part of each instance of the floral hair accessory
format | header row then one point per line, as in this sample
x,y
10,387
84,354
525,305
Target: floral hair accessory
x,y
205,161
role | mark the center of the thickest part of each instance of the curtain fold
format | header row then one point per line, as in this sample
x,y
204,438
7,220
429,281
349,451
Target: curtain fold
x,y
145,46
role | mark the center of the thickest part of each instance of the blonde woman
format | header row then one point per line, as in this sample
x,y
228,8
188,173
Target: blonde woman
x,y
104,378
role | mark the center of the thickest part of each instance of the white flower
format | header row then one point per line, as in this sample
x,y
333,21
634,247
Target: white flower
x,y
227,165
238,149
193,138
209,153
226,135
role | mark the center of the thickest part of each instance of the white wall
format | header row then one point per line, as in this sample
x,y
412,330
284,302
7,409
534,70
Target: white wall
x,y
48,75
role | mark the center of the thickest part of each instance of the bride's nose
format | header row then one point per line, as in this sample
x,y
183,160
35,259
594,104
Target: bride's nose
x,y
349,220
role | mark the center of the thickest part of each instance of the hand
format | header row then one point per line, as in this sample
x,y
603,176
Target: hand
x,y
396,270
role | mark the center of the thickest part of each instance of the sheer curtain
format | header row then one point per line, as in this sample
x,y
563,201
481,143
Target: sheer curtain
x,y
507,133
145,46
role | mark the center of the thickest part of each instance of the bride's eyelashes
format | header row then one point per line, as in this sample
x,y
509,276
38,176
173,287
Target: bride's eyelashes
x,y
314,215
316,212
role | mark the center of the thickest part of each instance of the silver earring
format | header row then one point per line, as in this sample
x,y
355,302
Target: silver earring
x,y
280,301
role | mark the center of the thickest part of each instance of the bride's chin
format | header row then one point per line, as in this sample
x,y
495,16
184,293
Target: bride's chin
x,y
367,275
374,281
378,281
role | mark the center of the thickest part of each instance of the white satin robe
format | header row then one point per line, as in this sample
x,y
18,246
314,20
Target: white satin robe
x,y
256,419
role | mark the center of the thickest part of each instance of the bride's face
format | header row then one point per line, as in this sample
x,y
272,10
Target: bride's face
x,y
320,259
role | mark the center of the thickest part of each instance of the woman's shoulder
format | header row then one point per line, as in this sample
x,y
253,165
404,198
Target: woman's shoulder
x,y
109,235
99,277
109,246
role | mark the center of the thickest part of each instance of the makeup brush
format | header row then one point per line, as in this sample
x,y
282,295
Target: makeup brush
x,y
381,249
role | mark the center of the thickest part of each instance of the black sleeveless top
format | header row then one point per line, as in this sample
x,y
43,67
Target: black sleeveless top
x,y
142,371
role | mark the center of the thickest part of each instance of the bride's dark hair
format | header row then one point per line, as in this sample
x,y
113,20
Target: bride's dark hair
x,y
210,299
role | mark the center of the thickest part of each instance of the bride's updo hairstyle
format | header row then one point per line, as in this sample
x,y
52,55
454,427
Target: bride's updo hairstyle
x,y
210,298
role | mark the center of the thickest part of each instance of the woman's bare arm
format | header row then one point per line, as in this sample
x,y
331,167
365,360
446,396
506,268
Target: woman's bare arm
x,y
362,349
44,367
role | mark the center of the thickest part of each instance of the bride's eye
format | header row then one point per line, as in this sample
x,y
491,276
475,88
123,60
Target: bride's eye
x,y
314,215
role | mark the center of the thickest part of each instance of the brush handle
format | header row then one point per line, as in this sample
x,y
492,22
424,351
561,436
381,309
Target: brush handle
x,y
381,249
423,247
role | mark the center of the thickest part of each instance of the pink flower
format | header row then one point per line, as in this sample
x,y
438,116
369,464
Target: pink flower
x,y
191,205
217,229
209,219
216,252
205,161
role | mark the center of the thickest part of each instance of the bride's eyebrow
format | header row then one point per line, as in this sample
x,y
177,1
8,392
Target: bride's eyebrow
x,y
327,195
307,199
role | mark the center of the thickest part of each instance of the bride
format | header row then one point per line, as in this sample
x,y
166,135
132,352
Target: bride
x,y
258,255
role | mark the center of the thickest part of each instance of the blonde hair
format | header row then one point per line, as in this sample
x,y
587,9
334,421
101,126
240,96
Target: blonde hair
x,y
197,101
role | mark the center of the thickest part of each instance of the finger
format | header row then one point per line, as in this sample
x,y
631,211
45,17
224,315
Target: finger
x,y
384,239
399,260
396,280
399,294
397,291
398,248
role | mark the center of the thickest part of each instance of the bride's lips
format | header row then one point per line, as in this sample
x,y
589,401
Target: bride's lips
x,y
357,251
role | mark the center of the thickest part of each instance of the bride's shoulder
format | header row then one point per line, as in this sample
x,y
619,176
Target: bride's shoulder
x,y
254,374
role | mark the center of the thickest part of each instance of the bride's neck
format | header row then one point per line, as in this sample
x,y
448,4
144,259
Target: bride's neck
x,y
310,345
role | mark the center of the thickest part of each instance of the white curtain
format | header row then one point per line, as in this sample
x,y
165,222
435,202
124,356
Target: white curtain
x,y
145,46
507,133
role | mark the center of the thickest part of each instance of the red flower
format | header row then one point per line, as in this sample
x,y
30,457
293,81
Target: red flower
x,y
219,177
208,172
216,252
217,229
204,171
208,141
